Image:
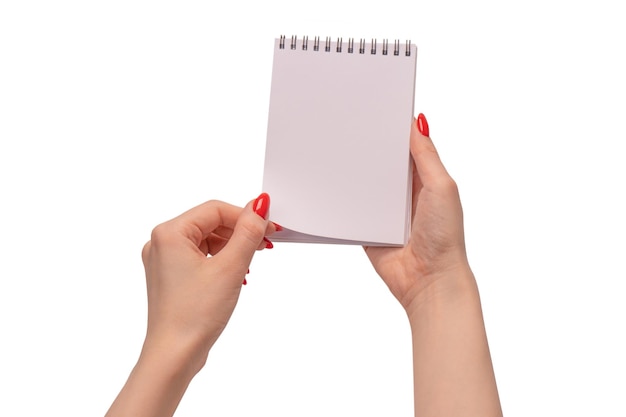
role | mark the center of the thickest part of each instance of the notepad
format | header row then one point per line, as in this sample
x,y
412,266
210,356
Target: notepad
x,y
337,161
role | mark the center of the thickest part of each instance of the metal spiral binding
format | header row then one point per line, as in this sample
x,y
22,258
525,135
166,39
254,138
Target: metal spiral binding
x,y
339,45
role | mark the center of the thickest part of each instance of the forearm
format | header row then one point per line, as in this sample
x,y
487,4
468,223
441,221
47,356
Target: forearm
x,y
453,373
155,386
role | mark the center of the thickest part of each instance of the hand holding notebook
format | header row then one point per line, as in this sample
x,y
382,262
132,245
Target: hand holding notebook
x,y
337,162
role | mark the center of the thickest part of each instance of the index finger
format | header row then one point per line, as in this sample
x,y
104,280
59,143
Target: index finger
x,y
199,222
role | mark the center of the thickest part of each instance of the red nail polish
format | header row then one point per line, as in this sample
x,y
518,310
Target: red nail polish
x,y
261,205
268,243
278,227
245,282
422,125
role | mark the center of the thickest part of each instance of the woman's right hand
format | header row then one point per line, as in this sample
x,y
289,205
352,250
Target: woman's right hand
x,y
430,276
437,244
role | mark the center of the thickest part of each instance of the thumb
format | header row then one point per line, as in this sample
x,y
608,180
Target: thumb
x,y
429,167
247,235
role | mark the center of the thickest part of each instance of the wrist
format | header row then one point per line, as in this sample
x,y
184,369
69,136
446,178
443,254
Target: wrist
x,y
172,360
440,291
156,383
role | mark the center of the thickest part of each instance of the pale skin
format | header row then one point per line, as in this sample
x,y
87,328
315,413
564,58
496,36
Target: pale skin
x,y
191,297
431,278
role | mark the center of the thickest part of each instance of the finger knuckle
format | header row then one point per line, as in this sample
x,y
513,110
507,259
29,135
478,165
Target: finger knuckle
x,y
161,235
449,186
216,204
145,252
252,230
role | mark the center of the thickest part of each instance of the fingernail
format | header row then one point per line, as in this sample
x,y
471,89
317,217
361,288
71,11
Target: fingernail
x,y
278,227
268,243
422,125
245,282
261,205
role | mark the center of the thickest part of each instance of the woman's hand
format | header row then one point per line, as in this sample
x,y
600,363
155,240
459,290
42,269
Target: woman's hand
x,y
430,276
195,266
191,296
436,245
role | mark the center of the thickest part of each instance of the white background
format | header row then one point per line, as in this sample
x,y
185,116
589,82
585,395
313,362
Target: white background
x,y
117,115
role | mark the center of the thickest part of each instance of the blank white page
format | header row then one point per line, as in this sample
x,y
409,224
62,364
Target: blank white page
x,y
337,162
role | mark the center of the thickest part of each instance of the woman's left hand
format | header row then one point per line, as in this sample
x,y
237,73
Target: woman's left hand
x,y
191,297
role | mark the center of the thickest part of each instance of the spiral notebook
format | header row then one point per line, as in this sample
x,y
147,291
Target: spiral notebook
x,y
337,161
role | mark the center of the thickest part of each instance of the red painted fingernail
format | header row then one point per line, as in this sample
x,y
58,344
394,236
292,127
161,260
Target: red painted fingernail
x,y
248,271
245,282
278,227
422,125
268,243
261,205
